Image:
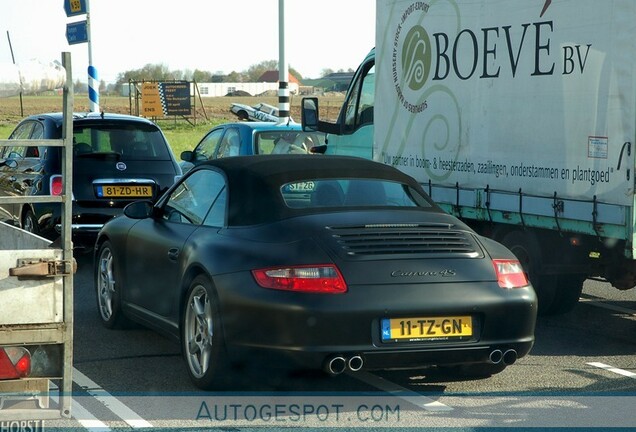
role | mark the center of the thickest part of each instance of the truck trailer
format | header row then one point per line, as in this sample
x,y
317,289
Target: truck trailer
x,y
517,116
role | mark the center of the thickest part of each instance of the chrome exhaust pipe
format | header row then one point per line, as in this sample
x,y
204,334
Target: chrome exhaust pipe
x,y
509,357
495,357
355,363
336,365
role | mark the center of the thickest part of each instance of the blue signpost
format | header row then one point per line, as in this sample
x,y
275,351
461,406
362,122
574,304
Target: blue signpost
x,y
80,32
76,32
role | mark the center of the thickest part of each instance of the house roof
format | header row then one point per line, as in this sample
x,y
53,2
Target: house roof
x,y
272,76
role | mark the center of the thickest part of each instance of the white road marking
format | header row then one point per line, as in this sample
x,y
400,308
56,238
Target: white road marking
x,y
109,401
598,302
86,419
401,392
81,414
613,369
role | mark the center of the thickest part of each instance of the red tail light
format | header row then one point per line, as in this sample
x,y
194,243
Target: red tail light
x,y
323,279
15,362
510,273
56,187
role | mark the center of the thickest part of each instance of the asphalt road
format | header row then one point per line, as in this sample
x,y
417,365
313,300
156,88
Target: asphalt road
x,y
581,372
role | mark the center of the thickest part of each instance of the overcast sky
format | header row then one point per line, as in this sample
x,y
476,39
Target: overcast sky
x,y
210,35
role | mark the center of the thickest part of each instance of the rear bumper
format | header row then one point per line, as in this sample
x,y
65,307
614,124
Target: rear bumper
x,y
85,223
310,329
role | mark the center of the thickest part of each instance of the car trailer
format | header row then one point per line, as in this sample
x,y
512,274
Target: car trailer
x,y
36,297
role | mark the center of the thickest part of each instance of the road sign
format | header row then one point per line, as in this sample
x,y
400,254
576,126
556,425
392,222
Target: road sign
x,y
76,32
74,7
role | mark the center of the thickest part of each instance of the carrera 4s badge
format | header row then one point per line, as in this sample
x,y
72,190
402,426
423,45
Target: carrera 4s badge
x,y
441,273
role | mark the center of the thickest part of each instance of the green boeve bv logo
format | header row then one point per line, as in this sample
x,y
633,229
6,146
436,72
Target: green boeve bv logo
x,y
416,58
411,71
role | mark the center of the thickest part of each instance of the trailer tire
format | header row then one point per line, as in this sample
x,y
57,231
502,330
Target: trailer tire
x,y
526,248
107,289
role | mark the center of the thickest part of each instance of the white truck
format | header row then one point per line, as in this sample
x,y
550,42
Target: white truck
x,y
519,117
36,282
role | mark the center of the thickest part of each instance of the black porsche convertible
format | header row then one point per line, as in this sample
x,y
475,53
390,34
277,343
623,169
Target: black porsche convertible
x,y
331,262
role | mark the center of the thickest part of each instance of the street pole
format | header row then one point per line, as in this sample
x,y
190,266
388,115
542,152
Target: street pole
x,y
13,59
93,81
283,72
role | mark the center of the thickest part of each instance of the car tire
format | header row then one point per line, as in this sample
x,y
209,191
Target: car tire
x,y
242,115
108,289
528,251
201,338
30,223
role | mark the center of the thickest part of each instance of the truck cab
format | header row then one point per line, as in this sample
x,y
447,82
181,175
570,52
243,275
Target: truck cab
x,y
352,134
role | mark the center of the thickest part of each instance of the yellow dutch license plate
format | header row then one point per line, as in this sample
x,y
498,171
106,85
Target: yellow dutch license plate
x,y
119,191
426,328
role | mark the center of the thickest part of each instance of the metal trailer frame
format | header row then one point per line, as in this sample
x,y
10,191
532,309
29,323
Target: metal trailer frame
x,y
60,331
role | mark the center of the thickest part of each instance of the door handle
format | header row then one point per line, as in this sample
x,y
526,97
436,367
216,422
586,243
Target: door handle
x,y
173,254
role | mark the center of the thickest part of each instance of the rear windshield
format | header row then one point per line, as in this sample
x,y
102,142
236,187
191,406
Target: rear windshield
x,y
285,142
129,142
351,193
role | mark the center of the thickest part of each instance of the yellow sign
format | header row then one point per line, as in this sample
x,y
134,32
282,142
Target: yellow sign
x,y
150,100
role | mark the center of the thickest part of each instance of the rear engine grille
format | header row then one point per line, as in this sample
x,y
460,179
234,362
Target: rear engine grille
x,y
430,240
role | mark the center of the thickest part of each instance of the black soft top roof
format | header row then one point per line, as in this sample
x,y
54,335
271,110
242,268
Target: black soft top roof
x,y
259,178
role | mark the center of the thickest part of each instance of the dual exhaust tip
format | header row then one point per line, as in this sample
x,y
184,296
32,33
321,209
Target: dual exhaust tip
x,y
507,357
338,364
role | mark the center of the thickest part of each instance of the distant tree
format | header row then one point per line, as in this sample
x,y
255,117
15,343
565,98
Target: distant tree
x,y
150,72
80,87
233,77
326,72
201,76
255,71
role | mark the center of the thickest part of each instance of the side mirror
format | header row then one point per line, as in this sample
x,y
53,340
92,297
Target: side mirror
x,y
187,156
310,114
139,209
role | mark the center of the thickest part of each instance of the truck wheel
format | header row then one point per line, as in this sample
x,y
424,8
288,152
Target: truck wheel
x,y
568,293
201,339
108,289
527,249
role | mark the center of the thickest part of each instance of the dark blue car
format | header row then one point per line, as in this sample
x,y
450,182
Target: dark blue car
x,y
116,159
